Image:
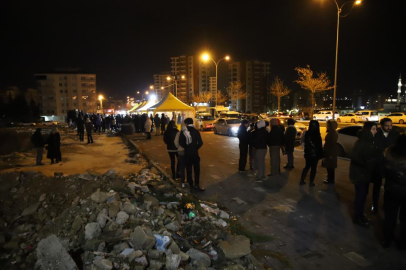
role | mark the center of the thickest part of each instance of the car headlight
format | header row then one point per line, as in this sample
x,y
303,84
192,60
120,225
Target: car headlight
x,y
234,129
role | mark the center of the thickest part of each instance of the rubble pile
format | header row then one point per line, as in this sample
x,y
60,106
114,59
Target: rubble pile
x,y
106,221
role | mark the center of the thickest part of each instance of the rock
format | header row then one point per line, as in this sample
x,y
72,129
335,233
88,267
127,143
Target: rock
x,y
142,238
122,217
131,160
145,189
123,248
155,265
92,230
173,226
30,209
221,223
154,254
76,200
174,247
235,267
197,255
169,194
134,254
142,260
154,201
224,214
101,218
172,261
112,226
113,210
99,197
111,173
130,208
94,173
235,246
131,186
42,197
77,224
58,175
103,263
52,255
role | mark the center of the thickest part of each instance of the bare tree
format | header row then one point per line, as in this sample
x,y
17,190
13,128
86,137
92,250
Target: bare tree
x,y
313,84
235,92
279,90
202,97
221,97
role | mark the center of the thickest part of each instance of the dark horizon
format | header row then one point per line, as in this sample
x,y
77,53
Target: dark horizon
x,y
125,44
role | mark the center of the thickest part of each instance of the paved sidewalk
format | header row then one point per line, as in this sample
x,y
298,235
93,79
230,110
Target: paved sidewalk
x,y
311,226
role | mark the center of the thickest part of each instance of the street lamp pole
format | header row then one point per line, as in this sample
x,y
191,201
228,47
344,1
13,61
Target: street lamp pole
x,y
339,9
207,57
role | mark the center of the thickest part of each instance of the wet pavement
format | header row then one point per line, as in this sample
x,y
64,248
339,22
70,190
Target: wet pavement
x,y
312,226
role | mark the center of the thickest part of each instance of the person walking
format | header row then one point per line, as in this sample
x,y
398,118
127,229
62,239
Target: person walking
x,y
169,139
243,136
365,157
38,141
395,193
313,151
259,142
191,141
275,141
181,156
163,123
385,138
157,122
147,127
330,151
89,130
290,139
81,128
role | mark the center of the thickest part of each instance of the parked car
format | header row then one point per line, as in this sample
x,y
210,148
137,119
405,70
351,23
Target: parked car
x,y
48,123
229,114
347,136
325,115
396,117
227,126
348,118
204,121
367,115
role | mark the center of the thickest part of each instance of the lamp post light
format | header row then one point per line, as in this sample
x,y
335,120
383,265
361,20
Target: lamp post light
x,y
206,57
175,80
339,9
101,102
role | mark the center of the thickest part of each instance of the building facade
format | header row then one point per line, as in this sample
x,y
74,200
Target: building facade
x,y
162,85
254,75
60,92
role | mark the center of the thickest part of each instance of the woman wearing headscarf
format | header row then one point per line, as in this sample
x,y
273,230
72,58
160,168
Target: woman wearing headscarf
x,y
169,139
313,151
364,158
330,151
259,142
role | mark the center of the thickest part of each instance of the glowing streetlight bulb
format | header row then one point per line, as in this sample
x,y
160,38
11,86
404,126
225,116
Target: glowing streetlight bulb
x,y
146,92
227,57
151,87
205,57
168,78
183,77
101,97
358,2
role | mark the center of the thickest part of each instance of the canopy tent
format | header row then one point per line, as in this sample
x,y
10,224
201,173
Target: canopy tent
x,y
137,106
146,105
171,105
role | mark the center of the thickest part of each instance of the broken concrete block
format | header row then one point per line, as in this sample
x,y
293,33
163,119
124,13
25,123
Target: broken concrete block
x,y
122,217
103,264
92,230
197,255
101,218
77,224
235,246
30,209
130,208
99,197
52,255
142,238
172,261
173,226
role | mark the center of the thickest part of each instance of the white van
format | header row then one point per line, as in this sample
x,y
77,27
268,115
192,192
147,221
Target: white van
x,y
325,115
367,115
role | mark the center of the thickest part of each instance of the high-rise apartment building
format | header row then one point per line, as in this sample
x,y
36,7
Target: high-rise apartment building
x,y
60,92
254,75
162,85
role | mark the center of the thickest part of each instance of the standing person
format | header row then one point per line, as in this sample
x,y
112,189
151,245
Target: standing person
x,y
169,139
89,130
385,138
313,151
243,136
364,159
163,123
251,149
147,127
113,124
58,155
157,122
395,192
181,156
81,128
290,139
52,147
98,123
330,151
259,140
275,141
137,122
38,141
191,141
144,118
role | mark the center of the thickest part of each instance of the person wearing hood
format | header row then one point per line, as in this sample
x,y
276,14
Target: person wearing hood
x,y
243,136
259,142
275,142
38,141
191,141
169,140
313,151
181,156
364,159
89,130
330,151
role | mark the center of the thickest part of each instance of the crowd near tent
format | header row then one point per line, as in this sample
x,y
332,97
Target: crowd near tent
x,y
146,105
136,106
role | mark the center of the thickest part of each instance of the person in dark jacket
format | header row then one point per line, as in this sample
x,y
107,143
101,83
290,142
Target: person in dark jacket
x,y
395,192
89,130
81,128
169,139
290,139
52,146
275,141
243,136
259,142
330,151
385,138
58,145
157,122
191,141
313,151
364,159
143,120
163,123
38,141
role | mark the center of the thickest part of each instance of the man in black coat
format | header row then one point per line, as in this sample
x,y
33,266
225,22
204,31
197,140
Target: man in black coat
x,y
163,123
191,141
80,124
384,138
38,141
290,138
244,138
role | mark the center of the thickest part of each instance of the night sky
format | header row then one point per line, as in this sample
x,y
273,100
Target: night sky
x,y
125,42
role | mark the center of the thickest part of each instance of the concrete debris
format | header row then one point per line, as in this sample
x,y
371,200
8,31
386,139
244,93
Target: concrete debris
x,y
52,255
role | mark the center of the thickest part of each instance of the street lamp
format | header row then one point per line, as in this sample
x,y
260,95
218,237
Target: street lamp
x,y
175,79
101,102
206,57
339,9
